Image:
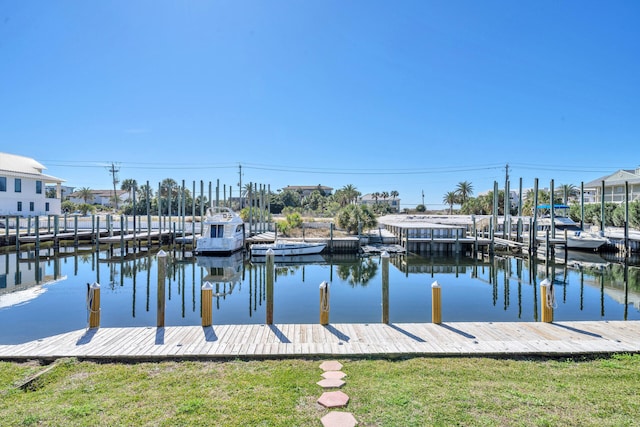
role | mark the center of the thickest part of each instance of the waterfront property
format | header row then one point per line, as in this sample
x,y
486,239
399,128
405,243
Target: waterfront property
x,y
434,234
23,187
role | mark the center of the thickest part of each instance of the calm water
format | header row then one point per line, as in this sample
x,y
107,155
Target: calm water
x,y
45,296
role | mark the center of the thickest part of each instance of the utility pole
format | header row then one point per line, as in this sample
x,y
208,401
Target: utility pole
x,y
422,197
507,198
114,176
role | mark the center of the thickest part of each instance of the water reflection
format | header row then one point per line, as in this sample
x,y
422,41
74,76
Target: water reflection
x,y
44,293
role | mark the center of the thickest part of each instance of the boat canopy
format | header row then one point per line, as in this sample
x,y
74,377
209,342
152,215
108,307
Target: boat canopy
x,y
554,206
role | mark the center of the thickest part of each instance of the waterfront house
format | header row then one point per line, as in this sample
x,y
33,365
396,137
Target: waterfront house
x,y
22,187
100,197
306,190
371,200
614,186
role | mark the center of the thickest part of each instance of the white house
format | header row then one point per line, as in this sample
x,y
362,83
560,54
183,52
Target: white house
x,y
614,186
22,187
306,190
371,200
100,197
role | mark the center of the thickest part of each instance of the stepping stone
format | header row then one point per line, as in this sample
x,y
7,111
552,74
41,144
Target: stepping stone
x,y
339,419
331,365
333,399
338,375
331,383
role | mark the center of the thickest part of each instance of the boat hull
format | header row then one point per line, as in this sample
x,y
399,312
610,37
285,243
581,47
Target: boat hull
x,y
584,243
211,246
287,249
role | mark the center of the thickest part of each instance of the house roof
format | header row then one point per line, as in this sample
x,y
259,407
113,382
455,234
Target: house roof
x,y
99,193
26,167
617,178
307,187
369,196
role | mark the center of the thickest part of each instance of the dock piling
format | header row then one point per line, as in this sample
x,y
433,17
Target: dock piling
x,y
207,304
324,303
436,303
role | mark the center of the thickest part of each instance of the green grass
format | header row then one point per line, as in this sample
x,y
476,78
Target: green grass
x,y
410,392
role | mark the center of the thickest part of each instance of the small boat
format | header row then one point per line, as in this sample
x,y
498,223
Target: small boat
x,y
577,238
222,232
284,248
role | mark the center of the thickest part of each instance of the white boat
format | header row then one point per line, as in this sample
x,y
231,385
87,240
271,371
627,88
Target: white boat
x,y
577,238
222,232
284,248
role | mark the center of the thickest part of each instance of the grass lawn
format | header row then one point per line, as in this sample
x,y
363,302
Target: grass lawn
x,y
406,392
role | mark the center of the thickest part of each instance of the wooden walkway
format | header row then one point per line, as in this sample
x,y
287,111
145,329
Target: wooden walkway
x,y
508,339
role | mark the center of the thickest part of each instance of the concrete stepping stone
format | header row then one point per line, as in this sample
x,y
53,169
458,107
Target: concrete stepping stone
x,y
333,399
331,365
331,383
339,419
337,375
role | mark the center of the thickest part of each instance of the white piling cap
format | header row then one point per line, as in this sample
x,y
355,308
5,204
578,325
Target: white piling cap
x,y
435,284
207,286
545,282
385,254
324,285
95,285
162,253
270,251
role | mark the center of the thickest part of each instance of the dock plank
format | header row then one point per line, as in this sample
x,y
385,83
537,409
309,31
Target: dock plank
x,y
300,340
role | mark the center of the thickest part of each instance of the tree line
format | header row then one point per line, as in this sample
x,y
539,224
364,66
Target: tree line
x,y
564,194
170,198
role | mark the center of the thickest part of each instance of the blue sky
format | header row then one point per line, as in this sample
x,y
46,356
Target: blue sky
x,y
409,96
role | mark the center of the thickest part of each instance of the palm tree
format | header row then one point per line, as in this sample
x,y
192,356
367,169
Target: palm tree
x,y
85,194
168,185
351,193
394,194
464,190
567,190
384,195
129,185
376,196
450,198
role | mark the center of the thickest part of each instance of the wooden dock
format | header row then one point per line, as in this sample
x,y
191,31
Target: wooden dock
x,y
451,339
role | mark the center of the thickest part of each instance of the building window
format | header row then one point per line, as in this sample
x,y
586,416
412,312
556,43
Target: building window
x,y
18,185
38,187
46,206
32,206
3,183
19,206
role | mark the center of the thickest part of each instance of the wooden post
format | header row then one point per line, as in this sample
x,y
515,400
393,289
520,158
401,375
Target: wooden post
x,y
331,237
162,266
98,233
603,221
534,231
270,273
436,303
627,248
93,304
206,296
582,205
553,211
122,234
324,303
385,287
37,228
546,300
